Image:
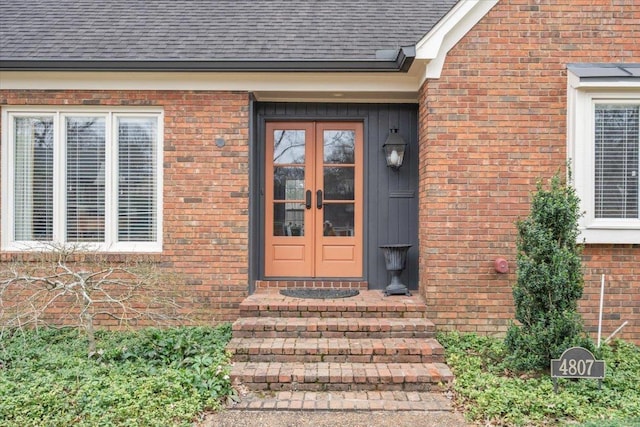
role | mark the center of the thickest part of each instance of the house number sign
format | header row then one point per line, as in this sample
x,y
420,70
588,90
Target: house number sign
x,y
577,362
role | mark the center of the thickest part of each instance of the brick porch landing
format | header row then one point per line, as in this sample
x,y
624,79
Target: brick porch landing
x,y
366,343
267,302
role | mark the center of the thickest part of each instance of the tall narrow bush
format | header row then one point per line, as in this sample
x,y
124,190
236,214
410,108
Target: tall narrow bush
x,y
549,279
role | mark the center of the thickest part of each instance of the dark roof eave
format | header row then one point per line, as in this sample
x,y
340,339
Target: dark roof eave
x,y
401,63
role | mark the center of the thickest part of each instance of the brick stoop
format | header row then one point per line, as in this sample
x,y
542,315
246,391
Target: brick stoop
x,y
368,342
269,303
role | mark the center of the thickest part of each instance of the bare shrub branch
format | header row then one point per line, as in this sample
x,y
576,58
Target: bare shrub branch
x,y
70,286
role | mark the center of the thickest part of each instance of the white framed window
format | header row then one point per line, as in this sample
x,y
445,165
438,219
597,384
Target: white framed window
x,y
87,176
603,148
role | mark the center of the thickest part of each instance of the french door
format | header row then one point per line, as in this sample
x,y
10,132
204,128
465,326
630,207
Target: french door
x,y
313,199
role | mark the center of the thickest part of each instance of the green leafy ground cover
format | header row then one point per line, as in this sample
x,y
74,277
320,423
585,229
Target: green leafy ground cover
x,y
490,394
171,377
149,377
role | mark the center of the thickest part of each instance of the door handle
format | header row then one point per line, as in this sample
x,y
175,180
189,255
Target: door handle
x,y
307,201
319,199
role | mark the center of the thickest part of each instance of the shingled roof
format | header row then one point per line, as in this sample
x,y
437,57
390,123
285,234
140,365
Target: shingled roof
x,y
34,33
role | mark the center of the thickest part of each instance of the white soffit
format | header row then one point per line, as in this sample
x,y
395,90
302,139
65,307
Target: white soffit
x,y
347,87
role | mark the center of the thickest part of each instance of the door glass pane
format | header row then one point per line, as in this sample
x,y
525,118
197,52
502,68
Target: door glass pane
x,y
33,178
288,147
85,137
338,219
288,219
288,186
338,183
339,146
288,183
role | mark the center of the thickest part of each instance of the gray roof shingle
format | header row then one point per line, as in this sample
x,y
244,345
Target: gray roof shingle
x,y
212,30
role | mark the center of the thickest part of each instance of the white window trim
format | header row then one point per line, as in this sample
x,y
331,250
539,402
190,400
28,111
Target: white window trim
x,y
59,113
581,101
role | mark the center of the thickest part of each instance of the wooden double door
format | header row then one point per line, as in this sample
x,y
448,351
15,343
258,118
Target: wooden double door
x,y
314,199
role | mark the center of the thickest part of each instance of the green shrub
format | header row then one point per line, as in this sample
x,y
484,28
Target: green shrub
x,y
549,280
490,395
150,377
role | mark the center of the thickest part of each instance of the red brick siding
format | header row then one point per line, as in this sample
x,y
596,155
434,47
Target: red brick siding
x,y
206,195
493,124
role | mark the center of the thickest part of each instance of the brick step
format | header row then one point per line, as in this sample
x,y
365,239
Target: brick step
x,y
345,401
368,304
363,350
341,376
332,327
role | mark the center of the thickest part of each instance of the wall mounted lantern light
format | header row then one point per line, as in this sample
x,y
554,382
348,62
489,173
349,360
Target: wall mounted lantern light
x,y
394,148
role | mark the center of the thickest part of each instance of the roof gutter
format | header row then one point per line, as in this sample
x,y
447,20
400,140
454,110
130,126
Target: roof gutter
x,y
400,61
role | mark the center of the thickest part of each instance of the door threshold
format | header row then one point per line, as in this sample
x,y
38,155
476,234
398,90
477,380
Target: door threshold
x,y
311,283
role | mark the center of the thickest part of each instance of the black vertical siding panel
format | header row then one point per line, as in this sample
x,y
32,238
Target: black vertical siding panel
x,y
397,178
332,110
404,184
414,253
387,219
384,186
373,197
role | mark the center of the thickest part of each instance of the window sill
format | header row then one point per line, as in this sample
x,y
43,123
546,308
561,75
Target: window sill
x,y
149,248
602,235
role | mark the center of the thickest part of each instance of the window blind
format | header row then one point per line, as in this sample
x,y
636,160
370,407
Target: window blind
x,y
617,142
85,142
137,141
33,178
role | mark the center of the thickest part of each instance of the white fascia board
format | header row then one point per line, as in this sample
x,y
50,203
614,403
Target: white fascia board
x,y
434,46
349,86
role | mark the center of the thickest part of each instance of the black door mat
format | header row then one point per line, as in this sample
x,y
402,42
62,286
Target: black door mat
x,y
318,293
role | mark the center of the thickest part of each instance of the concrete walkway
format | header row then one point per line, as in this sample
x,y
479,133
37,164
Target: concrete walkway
x,y
348,408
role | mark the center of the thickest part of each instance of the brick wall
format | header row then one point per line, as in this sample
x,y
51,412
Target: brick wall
x,y
493,124
206,196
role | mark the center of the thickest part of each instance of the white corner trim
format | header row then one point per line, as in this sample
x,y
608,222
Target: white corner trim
x,y
447,32
5,224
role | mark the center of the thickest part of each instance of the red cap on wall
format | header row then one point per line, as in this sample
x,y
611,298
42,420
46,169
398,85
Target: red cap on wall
x,y
501,265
